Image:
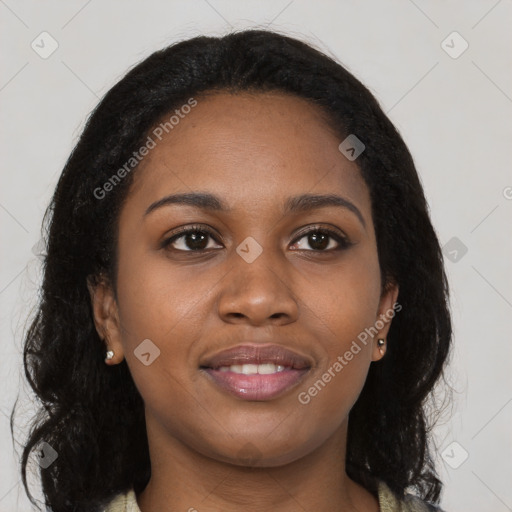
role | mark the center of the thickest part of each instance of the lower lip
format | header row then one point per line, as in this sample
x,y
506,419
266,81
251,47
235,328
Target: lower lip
x,y
256,387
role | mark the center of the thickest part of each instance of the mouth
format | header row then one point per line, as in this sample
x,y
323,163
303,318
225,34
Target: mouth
x,y
256,372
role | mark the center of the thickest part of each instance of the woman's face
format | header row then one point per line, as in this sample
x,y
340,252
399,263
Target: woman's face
x,y
259,279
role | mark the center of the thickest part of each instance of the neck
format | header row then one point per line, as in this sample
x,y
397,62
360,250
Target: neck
x,y
182,479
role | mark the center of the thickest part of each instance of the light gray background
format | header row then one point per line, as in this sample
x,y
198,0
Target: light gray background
x,y
454,114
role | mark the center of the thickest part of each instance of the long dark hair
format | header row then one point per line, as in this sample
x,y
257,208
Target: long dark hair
x,y
91,414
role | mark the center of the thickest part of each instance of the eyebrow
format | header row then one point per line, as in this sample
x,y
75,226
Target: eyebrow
x,y
199,200
306,202
301,203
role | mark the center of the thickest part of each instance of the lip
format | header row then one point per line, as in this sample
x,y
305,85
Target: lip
x,y
257,354
256,387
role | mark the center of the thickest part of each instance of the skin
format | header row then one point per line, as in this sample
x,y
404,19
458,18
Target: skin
x,y
211,451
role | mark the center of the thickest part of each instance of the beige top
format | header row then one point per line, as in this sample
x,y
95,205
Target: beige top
x,y
388,502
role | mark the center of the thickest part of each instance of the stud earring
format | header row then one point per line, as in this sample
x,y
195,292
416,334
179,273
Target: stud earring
x,y
381,342
110,355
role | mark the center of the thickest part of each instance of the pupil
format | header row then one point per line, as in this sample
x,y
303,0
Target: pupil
x,y
318,241
195,240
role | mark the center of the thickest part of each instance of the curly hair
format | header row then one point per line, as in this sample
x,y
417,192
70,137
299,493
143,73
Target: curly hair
x,y
91,414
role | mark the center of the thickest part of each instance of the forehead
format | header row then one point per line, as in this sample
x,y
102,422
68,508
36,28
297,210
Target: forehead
x,y
245,148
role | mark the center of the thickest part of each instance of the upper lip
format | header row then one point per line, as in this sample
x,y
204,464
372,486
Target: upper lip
x,y
257,354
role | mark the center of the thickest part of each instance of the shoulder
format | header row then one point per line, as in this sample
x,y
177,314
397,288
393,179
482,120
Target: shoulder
x,y
123,502
389,502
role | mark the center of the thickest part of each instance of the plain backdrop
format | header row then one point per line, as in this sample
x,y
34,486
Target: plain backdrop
x,y
449,94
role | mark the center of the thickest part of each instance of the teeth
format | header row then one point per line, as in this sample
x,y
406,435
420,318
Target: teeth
x,y
252,369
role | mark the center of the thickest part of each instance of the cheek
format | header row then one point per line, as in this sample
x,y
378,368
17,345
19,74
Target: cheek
x,y
343,309
341,317
346,300
156,300
169,308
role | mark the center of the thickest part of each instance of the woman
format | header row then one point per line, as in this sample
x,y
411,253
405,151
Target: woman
x,y
244,304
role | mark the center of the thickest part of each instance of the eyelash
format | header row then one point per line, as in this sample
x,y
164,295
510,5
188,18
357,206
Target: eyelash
x,y
343,242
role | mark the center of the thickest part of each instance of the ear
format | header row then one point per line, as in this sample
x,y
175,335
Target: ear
x,y
106,316
386,311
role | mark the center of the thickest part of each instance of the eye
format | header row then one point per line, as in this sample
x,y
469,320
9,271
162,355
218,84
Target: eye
x,y
191,239
321,240
200,238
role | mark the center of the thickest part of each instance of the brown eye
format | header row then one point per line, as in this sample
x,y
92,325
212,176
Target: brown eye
x,y
321,240
191,240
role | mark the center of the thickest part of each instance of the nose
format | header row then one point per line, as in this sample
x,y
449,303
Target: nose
x,y
258,294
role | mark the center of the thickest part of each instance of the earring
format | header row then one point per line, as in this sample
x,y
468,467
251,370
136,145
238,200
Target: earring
x,y
381,342
110,355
